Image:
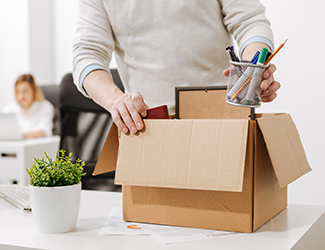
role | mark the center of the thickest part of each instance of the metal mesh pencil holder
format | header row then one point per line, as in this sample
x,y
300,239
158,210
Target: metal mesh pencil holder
x,y
244,82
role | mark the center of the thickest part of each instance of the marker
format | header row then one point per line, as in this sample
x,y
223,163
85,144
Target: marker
x,y
256,77
243,92
242,86
268,55
232,94
275,52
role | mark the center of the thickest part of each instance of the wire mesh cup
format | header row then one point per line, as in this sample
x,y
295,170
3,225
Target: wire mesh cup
x,y
244,82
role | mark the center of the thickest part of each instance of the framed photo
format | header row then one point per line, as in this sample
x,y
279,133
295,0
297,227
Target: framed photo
x,y
206,103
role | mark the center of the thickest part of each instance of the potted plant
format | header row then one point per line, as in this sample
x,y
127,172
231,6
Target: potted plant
x,y
55,188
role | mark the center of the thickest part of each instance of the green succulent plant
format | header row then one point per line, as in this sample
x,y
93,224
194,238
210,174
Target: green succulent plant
x,y
46,172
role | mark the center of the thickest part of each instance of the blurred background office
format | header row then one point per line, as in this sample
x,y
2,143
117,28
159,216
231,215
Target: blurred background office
x,y
34,113
37,37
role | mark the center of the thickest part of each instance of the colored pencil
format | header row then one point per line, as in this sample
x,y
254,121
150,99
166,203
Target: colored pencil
x,y
275,52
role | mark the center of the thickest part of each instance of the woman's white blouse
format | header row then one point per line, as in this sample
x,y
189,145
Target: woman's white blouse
x,y
38,117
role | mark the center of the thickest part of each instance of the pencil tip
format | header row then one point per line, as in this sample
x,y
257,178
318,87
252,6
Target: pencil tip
x,y
285,41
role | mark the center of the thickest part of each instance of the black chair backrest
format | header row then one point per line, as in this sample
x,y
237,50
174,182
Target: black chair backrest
x,y
52,94
84,124
71,98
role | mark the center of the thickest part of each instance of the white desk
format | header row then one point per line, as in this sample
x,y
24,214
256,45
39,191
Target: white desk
x,y
17,229
16,156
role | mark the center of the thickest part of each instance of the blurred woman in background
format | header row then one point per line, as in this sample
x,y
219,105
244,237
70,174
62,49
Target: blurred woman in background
x,y
34,113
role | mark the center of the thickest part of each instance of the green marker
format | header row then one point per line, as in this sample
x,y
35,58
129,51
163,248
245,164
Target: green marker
x,y
256,77
262,57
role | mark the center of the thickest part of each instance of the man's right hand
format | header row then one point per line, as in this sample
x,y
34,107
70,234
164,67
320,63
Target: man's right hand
x,y
126,110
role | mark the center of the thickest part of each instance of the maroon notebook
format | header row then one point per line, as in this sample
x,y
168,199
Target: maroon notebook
x,y
160,112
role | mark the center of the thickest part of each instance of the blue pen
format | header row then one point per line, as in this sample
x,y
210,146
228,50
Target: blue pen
x,y
255,58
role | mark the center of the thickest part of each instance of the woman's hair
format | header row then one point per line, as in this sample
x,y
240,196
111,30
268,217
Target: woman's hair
x,y
38,94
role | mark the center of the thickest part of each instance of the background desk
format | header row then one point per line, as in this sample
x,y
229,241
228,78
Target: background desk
x,y
16,156
17,228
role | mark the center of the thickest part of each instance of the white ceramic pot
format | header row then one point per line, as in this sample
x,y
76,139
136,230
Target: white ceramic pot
x,y
55,209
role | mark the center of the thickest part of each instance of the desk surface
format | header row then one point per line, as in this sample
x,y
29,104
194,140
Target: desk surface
x,y
30,141
17,228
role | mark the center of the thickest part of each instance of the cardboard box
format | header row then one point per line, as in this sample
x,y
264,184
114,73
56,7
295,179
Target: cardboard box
x,y
224,174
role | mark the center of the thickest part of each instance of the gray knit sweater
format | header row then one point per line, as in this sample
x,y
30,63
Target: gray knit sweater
x,y
161,44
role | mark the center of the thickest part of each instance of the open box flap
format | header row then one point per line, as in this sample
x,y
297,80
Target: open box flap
x,y
108,157
285,148
190,154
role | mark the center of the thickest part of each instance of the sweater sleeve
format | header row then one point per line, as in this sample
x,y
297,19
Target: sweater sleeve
x,y
246,19
94,41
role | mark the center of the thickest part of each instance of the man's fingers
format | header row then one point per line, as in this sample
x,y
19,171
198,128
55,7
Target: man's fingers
x,y
269,71
135,120
118,121
127,112
267,82
274,87
226,72
269,94
269,98
139,104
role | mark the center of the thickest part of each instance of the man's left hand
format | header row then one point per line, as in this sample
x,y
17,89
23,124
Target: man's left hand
x,y
269,85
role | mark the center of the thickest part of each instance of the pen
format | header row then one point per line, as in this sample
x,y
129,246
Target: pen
x,y
233,57
275,52
232,48
255,57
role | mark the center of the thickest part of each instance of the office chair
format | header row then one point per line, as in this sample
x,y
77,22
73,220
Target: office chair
x,y
84,128
51,93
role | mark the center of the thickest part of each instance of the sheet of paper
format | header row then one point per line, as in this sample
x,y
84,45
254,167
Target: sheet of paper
x,y
164,234
114,225
172,234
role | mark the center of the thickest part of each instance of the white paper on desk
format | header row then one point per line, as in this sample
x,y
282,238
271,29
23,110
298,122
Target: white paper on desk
x,y
114,225
164,234
172,234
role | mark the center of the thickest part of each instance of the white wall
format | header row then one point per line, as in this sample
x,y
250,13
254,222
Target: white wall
x,y
14,46
299,70
41,42
65,16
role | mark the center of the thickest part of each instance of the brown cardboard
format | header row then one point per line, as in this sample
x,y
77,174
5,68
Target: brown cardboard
x,y
217,174
108,158
269,198
191,154
285,148
232,211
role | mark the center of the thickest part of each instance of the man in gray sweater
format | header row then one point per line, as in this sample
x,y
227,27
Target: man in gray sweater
x,y
160,44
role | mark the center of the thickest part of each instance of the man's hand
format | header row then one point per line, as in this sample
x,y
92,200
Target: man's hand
x,y
127,112
126,109
269,85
